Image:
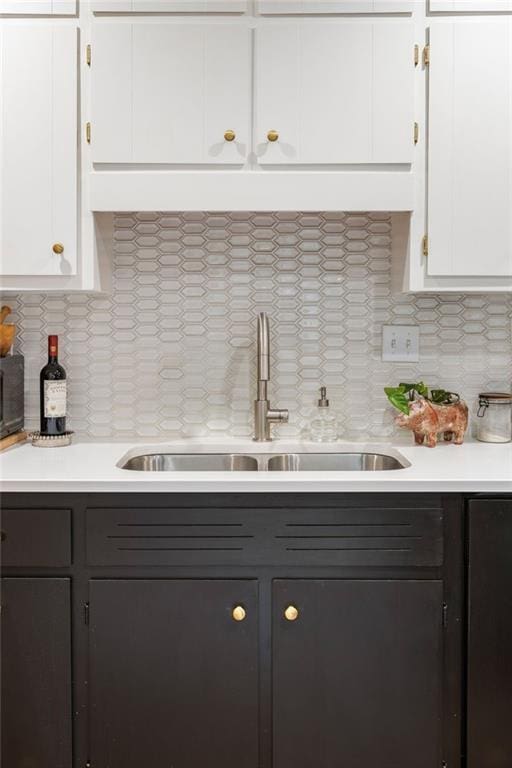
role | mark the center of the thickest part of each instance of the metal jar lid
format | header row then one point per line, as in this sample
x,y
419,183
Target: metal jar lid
x,y
485,399
496,398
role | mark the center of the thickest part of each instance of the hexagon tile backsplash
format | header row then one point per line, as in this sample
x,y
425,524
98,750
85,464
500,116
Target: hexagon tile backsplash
x,y
172,351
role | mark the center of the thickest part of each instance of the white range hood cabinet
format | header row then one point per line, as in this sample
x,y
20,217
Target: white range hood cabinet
x,y
250,113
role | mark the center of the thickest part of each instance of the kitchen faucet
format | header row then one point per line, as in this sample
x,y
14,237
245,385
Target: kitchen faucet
x,y
264,415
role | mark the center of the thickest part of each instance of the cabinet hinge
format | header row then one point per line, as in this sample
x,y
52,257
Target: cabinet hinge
x,y
88,132
416,55
86,614
445,615
426,56
416,133
424,245
88,55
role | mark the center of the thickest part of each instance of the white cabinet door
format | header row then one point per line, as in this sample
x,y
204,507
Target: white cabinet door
x,y
334,6
463,6
335,93
169,6
38,150
470,148
167,93
39,7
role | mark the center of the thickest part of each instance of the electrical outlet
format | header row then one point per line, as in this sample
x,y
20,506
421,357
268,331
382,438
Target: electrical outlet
x,y
400,343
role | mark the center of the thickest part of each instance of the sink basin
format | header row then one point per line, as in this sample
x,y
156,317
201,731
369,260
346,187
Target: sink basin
x,y
285,462
333,462
192,462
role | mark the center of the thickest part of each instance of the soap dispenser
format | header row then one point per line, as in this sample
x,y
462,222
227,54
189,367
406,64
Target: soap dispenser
x,y
324,428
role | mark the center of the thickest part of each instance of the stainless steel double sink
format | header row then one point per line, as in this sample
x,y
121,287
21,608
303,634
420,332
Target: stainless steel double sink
x,y
282,462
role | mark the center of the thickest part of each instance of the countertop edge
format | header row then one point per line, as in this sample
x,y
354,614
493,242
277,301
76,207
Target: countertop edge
x,y
274,486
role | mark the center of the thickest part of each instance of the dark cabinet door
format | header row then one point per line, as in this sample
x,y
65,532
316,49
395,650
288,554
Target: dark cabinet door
x,y
357,674
173,675
490,634
36,673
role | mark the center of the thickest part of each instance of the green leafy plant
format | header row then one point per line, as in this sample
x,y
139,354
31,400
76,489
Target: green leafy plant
x,y
401,397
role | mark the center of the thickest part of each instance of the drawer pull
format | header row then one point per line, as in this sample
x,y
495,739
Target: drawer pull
x,y
239,613
3,535
230,136
291,613
273,135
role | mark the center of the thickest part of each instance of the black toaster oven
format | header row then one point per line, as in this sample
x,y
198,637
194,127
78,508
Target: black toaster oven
x,y
12,400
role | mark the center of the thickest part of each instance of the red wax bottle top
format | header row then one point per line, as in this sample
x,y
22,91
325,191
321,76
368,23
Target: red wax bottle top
x,y
53,345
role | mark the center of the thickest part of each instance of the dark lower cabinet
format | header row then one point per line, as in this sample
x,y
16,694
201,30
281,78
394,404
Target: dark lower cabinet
x,y
251,631
36,673
357,675
489,704
173,676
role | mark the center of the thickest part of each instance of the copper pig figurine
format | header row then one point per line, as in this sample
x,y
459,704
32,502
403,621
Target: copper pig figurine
x,y
427,420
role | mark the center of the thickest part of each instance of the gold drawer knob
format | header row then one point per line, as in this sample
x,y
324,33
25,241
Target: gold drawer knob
x,y
291,613
230,135
239,613
58,248
272,135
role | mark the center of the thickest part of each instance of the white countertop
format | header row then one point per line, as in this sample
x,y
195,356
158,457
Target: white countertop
x,y
92,467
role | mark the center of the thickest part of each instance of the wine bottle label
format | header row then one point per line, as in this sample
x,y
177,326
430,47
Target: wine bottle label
x,y
55,396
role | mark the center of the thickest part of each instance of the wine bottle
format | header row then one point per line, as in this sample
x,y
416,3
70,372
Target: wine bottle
x,y
53,392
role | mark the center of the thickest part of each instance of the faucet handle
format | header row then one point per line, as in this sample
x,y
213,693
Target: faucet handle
x,y
278,415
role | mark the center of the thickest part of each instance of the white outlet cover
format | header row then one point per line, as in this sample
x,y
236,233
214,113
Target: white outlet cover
x,y
400,343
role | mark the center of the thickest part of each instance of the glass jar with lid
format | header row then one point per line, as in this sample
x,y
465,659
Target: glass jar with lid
x,y
494,424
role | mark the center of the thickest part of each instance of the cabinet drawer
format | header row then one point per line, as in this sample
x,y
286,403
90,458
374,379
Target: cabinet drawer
x,y
36,537
392,536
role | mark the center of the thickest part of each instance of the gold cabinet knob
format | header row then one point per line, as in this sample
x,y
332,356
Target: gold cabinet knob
x,y
230,135
239,613
58,248
272,135
291,613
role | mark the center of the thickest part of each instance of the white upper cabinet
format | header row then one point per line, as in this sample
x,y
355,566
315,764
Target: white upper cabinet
x,y
465,6
312,7
335,93
470,148
38,150
169,6
167,93
39,7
